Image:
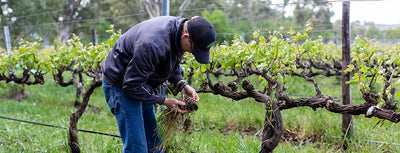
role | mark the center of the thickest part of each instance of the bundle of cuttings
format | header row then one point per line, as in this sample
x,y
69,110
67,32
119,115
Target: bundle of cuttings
x,y
171,122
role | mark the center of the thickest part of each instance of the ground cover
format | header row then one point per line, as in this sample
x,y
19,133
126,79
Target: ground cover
x,y
219,124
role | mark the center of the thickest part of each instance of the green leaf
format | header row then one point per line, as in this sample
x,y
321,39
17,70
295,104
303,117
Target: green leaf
x,y
363,78
203,68
398,93
352,82
389,61
363,69
252,44
349,68
264,83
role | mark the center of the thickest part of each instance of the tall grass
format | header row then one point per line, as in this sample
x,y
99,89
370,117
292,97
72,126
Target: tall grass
x,y
220,124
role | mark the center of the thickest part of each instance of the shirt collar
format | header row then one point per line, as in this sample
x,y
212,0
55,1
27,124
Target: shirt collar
x,y
178,36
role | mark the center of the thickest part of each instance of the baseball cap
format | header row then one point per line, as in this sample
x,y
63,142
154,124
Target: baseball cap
x,y
203,36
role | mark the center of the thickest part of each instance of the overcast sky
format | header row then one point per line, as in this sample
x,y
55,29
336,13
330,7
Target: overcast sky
x,y
380,11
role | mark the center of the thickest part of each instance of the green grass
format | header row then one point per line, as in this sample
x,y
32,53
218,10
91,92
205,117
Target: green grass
x,y
220,124
51,104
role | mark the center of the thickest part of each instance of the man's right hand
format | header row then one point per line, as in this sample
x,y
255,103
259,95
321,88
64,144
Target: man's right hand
x,y
172,104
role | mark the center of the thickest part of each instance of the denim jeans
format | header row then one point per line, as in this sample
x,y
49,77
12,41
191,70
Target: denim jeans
x,y
136,121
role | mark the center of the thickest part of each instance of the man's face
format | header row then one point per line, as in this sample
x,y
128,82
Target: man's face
x,y
191,45
186,43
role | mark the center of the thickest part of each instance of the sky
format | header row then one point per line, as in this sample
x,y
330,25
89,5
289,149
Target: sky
x,y
379,11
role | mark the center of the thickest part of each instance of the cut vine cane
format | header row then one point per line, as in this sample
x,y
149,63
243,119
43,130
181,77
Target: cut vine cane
x,y
172,122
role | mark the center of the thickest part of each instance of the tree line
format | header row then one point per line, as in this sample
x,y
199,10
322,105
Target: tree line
x,y
59,19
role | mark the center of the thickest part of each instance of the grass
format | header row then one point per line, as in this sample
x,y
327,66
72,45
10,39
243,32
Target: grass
x,y
220,124
51,104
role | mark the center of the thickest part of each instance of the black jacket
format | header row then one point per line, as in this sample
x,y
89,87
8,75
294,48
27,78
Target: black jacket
x,y
144,57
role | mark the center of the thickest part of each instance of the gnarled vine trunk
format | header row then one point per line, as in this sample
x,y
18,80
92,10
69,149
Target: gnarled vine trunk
x,y
74,118
273,128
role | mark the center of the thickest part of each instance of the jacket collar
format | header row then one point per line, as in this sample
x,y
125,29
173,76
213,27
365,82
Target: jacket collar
x,y
178,36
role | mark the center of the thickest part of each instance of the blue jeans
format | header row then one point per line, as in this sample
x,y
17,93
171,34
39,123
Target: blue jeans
x,y
136,121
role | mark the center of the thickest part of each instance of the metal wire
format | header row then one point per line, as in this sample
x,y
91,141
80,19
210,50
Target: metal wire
x,y
56,126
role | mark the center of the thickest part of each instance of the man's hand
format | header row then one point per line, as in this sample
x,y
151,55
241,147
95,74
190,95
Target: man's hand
x,y
188,90
172,104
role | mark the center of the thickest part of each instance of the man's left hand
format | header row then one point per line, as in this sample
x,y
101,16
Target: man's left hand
x,y
188,90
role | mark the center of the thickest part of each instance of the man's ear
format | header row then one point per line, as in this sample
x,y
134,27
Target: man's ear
x,y
185,35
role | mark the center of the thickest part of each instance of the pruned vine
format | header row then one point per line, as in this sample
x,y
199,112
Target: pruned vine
x,y
258,69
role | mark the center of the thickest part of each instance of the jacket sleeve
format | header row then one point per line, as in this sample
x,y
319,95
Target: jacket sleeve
x,y
176,75
141,66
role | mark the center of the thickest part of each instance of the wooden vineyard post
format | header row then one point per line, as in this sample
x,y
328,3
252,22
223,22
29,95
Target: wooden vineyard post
x,y
347,119
94,37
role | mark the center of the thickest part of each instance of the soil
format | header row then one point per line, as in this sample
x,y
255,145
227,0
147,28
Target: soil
x,y
187,125
190,104
244,131
17,95
293,138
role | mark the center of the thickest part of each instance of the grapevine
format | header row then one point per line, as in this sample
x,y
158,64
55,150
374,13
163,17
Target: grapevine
x,y
271,61
269,58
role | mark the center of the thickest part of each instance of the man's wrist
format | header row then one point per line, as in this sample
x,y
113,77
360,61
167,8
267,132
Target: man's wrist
x,y
165,100
162,102
181,84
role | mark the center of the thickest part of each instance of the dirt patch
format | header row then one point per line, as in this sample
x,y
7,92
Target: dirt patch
x,y
243,131
17,95
250,131
225,131
293,138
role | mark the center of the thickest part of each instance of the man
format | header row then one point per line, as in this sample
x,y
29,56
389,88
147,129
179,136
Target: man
x,y
142,59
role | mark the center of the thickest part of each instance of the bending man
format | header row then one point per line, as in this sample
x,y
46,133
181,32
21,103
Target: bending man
x,y
141,60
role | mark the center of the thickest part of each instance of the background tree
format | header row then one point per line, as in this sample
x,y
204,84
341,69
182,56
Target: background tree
x,y
317,13
59,19
248,16
69,16
372,32
220,23
393,35
28,19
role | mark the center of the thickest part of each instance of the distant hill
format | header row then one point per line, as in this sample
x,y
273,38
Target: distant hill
x,y
386,26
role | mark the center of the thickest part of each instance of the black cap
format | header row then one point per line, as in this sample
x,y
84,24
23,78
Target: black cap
x,y
203,36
